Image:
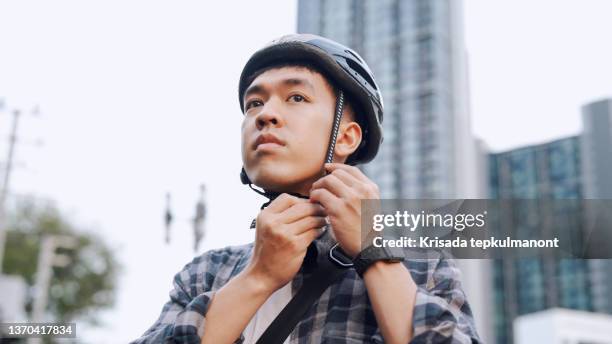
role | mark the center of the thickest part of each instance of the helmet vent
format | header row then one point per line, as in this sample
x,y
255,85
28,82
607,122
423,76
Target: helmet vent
x,y
355,55
362,73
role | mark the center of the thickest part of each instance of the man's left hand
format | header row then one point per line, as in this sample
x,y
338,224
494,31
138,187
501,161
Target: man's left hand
x,y
340,193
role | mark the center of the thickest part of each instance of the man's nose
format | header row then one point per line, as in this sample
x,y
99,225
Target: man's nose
x,y
268,116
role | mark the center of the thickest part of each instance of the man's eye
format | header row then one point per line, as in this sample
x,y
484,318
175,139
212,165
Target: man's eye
x,y
252,103
297,98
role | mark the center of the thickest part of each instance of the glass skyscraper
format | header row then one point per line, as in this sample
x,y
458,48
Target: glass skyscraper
x,y
568,169
521,286
416,51
597,166
597,149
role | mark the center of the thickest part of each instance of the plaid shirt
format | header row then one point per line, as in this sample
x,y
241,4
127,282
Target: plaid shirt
x,y
343,314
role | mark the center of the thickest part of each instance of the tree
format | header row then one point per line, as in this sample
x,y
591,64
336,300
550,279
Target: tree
x,y
85,285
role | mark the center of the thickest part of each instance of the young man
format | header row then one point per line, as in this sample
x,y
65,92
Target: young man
x,y
307,100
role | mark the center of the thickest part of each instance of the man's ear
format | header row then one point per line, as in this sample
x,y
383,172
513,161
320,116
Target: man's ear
x,y
348,140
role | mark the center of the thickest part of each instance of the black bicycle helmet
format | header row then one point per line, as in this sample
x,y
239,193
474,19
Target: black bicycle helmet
x,y
346,69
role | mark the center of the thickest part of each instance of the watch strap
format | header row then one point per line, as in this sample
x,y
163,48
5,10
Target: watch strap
x,y
372,254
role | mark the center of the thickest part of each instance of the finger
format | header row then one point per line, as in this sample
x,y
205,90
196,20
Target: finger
x,y
307,237
328,200
283,202
346,177
301,210
306,224
352,170
333,184
362,185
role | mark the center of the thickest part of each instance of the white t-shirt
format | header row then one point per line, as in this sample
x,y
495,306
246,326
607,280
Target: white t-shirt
x,y
266,314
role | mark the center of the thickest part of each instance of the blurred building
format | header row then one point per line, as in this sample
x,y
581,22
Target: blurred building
x,y
563,326
597,177
597,149
576,167
544,172
416,51
548,170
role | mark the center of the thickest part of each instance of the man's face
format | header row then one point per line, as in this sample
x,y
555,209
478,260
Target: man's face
x,y
286,128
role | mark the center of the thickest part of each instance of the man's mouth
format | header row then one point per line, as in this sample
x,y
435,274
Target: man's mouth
x,y
267,141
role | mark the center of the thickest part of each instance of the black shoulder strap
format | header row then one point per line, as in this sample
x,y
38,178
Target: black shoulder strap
x,y
329,270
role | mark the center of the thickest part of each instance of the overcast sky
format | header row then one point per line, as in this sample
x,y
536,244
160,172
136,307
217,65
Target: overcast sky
x,y
139,97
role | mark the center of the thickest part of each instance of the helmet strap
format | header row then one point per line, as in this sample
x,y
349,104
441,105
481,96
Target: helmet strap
x,y
335,127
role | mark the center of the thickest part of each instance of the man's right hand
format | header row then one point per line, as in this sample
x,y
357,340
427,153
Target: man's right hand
x,y
284,230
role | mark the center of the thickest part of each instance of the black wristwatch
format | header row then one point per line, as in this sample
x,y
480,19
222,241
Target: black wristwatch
x,y
372,254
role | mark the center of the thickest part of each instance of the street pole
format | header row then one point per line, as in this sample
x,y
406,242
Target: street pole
x,y
5,185
47,259
44,270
